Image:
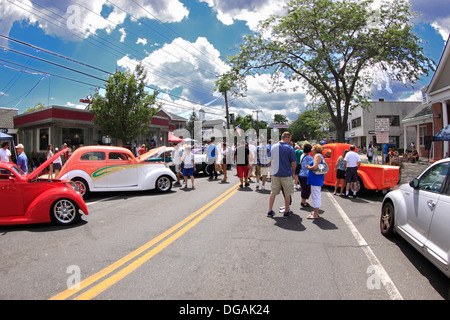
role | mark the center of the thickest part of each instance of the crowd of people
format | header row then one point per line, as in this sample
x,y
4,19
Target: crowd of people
x,y
22,159
289,167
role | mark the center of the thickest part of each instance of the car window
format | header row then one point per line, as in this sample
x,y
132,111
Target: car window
x,y
118,156
93,156
4,174
433,179
326,153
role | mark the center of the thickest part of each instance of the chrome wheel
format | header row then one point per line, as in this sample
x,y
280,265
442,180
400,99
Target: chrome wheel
x,y
387,219
64,212
82,186
163,184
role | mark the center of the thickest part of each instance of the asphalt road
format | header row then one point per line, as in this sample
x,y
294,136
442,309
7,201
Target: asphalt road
x,y
215,242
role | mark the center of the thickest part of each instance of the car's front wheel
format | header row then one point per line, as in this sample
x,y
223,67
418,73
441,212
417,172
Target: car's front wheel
x,y
64,212
387,219
164,184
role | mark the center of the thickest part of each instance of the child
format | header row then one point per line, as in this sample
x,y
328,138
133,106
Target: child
x,y
189,166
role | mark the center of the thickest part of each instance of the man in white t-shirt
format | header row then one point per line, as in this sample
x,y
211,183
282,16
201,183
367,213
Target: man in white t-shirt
x,y
5,154
352,161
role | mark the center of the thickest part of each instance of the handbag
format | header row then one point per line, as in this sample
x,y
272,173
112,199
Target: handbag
x,y
322,168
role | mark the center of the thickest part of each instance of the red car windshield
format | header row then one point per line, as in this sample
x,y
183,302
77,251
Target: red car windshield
x,y
18,171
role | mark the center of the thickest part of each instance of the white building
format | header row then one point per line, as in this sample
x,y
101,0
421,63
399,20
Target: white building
x,y
361,123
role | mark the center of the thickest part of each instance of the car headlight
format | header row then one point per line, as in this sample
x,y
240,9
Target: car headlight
x,y
73,185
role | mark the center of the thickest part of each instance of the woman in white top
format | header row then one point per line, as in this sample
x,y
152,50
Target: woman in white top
x,y
188,166
49,154
57,164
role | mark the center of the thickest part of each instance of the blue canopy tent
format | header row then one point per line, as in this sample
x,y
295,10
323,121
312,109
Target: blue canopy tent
x,y
4,136
443,135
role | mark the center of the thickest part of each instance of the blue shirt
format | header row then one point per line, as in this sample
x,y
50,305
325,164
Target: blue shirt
x,y
282,155
22,161
211,153
304,161
315,179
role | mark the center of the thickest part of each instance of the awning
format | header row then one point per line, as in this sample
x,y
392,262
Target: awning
x,y
173,138
4,136
443,135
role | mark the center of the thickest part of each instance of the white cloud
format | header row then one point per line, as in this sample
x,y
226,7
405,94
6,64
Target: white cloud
x,y
141,41
73,105
252,11
191,68
436,13
75,22
123,34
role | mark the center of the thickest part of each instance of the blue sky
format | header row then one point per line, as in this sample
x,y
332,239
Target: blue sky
x,y
182,43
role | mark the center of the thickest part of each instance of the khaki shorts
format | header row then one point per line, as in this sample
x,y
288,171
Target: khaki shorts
x,y
262,171
282,182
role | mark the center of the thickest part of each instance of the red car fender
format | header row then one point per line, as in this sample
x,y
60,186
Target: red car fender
x,y
368,184
39,209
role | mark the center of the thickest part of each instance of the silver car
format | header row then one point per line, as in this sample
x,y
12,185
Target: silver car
x,y
420,213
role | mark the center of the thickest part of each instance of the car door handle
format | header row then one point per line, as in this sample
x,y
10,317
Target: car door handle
x,y
431,204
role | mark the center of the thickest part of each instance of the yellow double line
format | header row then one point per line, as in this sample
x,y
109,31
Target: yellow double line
x,y
161,242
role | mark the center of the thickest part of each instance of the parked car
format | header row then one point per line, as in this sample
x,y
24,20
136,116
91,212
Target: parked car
x,y
200,160
27,198
371,176
420,213
163,155
107,168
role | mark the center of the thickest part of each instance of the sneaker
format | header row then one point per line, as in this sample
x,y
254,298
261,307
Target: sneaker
x,y
270,214
287,214
263,188
281,209
257,186
247,184
344,196
241,186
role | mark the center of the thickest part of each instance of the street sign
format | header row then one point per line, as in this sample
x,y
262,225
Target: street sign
x,y
382,124
382,137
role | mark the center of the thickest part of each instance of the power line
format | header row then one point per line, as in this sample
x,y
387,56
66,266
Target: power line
x,y
58,26
95,68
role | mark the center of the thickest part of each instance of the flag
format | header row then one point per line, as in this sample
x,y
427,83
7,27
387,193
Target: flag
x,y
238,130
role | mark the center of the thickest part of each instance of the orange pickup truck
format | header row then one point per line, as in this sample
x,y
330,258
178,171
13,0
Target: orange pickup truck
x,y
371,176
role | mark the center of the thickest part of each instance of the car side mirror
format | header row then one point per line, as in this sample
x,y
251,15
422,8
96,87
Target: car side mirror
x,y
414,183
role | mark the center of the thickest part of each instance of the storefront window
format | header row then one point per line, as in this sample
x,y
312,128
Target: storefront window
x,y
74,137
43,138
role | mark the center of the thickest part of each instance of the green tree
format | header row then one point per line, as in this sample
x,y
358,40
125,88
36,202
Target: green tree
x,y
327,45
313,123
126,109
190,124
279,118
232,83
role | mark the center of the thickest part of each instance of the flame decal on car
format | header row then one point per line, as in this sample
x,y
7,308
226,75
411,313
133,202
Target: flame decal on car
x,y
105,171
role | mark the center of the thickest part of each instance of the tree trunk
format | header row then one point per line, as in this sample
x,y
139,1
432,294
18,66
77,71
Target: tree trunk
x,y
340,132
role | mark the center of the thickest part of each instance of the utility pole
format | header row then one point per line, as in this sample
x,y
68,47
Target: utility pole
x,y
226,109
257,121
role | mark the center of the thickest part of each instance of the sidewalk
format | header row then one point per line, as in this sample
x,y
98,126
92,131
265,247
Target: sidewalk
x,y
408,171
